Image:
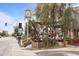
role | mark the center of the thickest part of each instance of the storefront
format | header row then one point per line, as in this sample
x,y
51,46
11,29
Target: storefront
x,y
75,41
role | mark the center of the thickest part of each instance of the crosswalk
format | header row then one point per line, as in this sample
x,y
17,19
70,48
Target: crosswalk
x,y
2,39
5,38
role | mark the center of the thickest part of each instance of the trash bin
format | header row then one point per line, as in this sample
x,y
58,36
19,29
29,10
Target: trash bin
x,y
66,42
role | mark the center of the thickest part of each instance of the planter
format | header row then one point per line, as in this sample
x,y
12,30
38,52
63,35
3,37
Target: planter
x,y
37,44
75,42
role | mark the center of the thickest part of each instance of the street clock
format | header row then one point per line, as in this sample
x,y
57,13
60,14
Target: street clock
x,y
28,16
28,13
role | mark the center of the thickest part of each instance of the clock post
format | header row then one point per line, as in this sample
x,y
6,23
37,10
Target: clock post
x,y
28,17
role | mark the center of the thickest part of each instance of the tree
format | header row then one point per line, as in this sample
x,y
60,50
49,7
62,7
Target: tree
x,y
67,19
48,13
16,30
42,13
4,33
57,11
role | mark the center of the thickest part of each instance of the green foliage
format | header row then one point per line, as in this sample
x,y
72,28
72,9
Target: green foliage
x,y
4,33
15,31
43,11
26,43
60,11
45,42
67,19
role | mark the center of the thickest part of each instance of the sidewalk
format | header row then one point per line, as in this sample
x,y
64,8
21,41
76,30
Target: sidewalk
x,y
69,48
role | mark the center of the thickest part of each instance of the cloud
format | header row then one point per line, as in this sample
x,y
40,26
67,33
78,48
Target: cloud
x,y
11,22
6,18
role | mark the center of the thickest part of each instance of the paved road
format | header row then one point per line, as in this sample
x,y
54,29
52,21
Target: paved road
x,y
9,47
58,53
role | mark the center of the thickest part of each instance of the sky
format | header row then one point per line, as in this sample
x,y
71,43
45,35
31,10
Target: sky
x,y
13,13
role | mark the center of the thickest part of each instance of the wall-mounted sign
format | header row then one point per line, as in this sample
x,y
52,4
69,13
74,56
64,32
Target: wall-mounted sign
x,y
28,13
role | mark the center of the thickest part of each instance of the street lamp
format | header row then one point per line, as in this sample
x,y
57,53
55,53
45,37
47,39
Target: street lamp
x,y
28,16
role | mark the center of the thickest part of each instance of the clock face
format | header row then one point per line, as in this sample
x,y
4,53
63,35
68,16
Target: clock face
x,y
28,13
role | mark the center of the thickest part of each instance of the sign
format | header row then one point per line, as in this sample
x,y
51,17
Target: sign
x,y
20,30
28,13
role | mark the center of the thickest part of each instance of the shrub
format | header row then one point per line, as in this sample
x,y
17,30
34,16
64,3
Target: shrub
x,y
45,42
25,42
